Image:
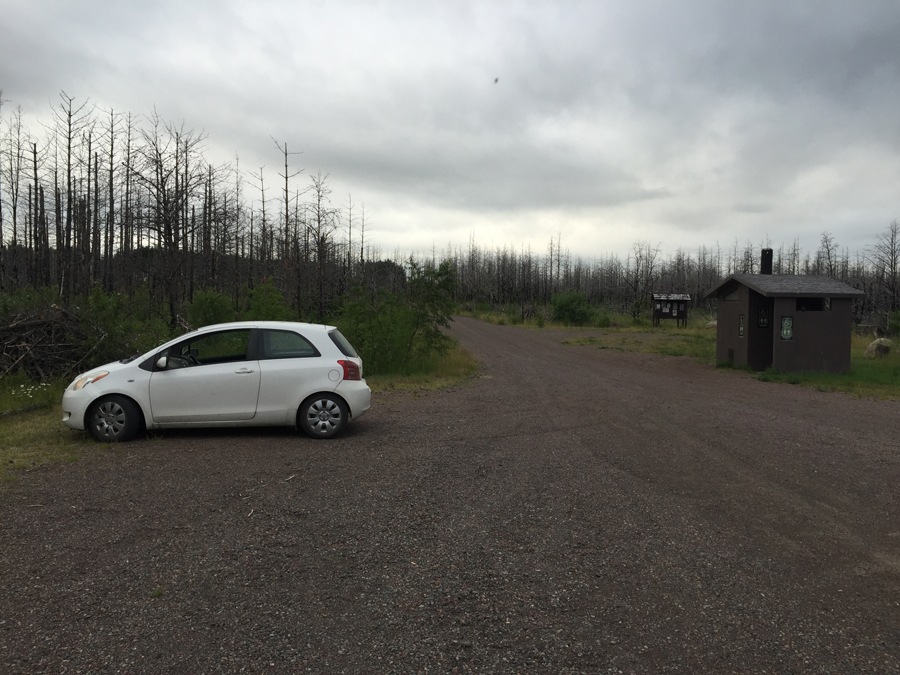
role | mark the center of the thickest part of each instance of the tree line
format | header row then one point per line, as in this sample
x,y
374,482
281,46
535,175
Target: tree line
x,y
129,205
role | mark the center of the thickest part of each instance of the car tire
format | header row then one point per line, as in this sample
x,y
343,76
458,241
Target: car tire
x,y
323,415
114,419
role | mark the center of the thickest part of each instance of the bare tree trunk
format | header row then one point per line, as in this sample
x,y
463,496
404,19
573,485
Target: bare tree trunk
x,y
2,228
71,121
95,234
109,231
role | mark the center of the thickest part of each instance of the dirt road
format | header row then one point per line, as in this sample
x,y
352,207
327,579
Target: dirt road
x,y
573,510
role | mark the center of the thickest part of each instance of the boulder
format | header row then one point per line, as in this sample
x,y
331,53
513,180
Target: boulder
x,y
878,348
712,324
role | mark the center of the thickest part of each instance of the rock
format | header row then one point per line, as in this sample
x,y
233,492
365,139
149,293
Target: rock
x,y
712,324
878,348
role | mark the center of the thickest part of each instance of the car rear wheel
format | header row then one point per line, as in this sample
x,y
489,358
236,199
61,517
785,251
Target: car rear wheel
x,y
114,419
323,415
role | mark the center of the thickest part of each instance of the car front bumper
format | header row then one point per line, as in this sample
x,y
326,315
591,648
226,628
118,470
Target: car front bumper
x,y
74,407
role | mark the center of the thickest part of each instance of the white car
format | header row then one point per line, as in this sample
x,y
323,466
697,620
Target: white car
x,y
247,373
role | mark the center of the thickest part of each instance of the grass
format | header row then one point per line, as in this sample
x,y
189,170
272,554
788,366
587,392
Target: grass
x,y
603,318
35,437
31,433
867,378
694,342
17,393
456,366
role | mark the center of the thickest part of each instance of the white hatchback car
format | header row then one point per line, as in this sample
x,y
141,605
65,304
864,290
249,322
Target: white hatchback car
x,y
247,373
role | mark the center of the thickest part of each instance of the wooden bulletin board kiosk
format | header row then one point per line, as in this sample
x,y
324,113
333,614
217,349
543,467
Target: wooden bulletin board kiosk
x,y
671,306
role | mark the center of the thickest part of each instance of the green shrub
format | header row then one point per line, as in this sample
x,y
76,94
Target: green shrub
x,y
572,308
513,314
393,330
207,308
26,300
267,304
894,323
111,326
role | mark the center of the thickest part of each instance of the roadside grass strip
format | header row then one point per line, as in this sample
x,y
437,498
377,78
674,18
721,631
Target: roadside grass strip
x,y
435,372
35,437
867,378
688,343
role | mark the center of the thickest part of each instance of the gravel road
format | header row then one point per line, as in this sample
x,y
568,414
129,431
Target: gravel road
x,y
573,510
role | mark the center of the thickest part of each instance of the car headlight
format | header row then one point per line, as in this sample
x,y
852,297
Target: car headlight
x,y
84,381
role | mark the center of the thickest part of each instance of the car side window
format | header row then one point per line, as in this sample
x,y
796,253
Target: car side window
x,y
285,344
222,347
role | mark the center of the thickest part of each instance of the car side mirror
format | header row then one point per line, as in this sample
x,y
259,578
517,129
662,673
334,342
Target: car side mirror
x,y
161,362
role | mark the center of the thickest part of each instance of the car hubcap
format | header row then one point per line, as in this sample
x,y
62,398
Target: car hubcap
x,y
109,419
324,415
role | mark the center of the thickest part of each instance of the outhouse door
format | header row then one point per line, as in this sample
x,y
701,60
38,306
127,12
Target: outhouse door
x,y
761,332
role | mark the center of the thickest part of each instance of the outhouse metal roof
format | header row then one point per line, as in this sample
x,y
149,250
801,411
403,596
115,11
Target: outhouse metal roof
x,y
791,286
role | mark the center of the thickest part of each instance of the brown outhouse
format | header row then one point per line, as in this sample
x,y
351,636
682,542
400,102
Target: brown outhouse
x,y
791,322
671,306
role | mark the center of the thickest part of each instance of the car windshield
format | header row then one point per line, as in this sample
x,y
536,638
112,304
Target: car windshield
x,y
342,344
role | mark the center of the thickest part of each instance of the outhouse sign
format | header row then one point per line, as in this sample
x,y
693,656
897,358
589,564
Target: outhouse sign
x,y
787,327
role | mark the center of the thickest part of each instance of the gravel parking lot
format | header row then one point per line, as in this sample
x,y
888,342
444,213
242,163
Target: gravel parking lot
x,y
573,510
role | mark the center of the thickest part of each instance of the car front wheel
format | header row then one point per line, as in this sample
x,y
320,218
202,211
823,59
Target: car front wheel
x,y
114,419
322,415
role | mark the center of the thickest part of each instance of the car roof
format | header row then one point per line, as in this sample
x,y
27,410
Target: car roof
x,y
290,325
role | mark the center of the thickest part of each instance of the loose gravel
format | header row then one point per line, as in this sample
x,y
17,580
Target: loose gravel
x,y
573,510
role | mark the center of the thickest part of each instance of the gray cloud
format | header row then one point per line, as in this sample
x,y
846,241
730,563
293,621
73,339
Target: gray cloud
x,y
668,121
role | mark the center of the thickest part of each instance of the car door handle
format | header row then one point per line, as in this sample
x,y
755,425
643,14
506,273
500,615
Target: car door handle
x,y
243,371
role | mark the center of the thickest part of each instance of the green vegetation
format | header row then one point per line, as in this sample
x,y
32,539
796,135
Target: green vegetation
x,y
36,437
399,333
437,371
31,433
572,308
876,378
18,392
267,304
209,307
111,326
547,317
894,323
698,343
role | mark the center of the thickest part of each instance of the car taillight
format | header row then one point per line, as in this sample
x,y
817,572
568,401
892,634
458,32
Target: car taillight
x,y
351,370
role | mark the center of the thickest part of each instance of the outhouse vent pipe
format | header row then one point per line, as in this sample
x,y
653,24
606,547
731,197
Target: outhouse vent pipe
x,y
765,263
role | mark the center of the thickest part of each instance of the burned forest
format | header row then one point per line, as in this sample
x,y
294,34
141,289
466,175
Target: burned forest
x,y
115,228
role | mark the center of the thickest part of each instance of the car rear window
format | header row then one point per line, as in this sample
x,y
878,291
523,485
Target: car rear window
x,y
341,342
284,344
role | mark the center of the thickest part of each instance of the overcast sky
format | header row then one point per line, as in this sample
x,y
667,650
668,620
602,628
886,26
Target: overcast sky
x,y
678,123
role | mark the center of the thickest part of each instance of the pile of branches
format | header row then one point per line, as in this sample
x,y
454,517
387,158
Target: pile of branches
x,y
46,344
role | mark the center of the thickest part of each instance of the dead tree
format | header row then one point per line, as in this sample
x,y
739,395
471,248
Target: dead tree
x,y
884,256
